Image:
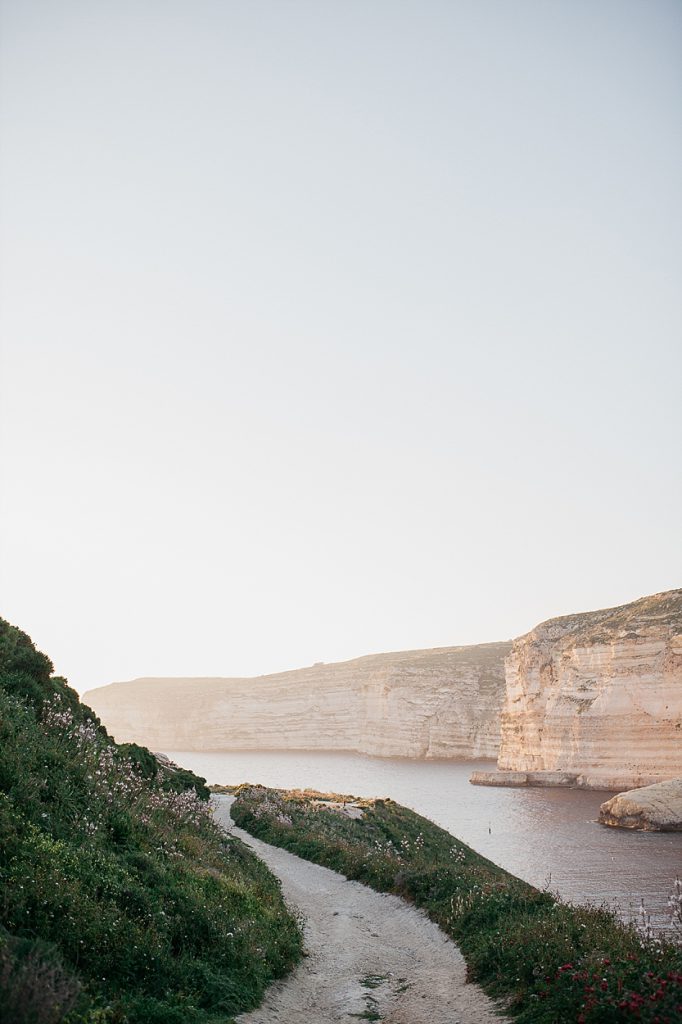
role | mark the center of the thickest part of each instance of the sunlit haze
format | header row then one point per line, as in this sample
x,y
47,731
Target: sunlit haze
x,y
334,327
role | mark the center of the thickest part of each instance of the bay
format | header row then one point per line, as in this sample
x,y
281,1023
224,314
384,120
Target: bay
x,y
549,837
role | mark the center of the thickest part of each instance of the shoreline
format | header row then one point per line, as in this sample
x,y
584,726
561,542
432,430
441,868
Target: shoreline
x,y
521,943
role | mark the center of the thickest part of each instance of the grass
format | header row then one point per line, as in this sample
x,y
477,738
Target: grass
x,y
121,901
549,962
373,980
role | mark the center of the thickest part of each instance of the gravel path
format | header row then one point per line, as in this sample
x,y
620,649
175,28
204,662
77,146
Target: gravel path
x,y
370,956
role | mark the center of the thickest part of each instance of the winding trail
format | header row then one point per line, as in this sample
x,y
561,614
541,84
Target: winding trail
x,y
370,956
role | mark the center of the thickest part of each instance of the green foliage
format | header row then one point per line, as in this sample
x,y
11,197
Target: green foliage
x,y
176,779
26,673
550,962
122,901
35,987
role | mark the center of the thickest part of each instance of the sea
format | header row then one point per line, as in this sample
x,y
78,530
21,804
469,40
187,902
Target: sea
x,y
549,837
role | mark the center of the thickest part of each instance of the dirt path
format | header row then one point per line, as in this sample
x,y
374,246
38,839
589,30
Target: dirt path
x,y
370,956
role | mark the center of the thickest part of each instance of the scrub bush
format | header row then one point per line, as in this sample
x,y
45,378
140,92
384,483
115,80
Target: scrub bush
x,y
121,900
551,963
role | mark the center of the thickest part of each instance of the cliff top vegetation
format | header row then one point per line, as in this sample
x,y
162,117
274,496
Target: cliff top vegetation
x,y
655,611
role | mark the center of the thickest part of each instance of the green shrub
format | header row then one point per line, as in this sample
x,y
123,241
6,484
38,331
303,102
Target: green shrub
x,y
35,987
550,962
121,898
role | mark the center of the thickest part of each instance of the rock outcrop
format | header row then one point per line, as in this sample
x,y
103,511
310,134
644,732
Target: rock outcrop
x,y
422,704
656,808
570,780
599,696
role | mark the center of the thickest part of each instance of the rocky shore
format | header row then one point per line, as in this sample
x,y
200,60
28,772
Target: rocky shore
x,y
656,808
566,780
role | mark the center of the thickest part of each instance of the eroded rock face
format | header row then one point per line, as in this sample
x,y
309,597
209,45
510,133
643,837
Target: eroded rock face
x,y
656,808
424,704
598,695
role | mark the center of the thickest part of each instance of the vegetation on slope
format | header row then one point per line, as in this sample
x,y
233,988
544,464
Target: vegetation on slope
x,y
121,902
655,611
549,961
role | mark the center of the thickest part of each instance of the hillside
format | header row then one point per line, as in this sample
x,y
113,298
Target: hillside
x,y
434,703
123,903
551,962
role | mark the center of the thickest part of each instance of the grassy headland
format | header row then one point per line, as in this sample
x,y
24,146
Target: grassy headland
x,y
550,962
121,902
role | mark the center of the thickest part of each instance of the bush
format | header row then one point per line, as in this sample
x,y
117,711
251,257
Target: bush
x,y
549,961
123,902
35,987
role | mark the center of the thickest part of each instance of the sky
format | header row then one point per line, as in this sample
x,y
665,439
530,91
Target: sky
x,y
334,327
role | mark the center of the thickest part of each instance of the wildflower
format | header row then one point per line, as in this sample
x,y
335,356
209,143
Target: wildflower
x,y
675,905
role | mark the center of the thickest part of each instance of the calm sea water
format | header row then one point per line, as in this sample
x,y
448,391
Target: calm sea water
x,y
546,836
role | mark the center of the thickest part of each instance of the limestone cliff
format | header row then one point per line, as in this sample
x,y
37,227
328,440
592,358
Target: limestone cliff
x,y
436,703
598,695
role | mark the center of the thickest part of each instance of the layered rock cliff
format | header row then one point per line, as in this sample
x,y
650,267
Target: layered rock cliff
x,y
592,700
424,704
598,695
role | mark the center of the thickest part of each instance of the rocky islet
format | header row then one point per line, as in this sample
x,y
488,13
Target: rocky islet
x,y
656,808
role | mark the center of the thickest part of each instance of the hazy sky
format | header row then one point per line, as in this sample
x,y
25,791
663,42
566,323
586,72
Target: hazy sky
x,y
334,327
